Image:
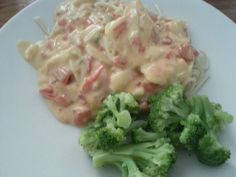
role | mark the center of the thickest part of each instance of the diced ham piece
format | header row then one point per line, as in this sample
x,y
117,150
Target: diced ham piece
x,y
87,84
63,75
120,28
82,115
187,52
167,40
89,65
138,43
63,100
86,21
169,55
150,87
119,61
47,92
62,22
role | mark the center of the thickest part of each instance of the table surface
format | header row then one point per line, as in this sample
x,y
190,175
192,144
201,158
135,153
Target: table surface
x,y
8,8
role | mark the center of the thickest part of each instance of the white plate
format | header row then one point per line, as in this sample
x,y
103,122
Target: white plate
x,y
34,144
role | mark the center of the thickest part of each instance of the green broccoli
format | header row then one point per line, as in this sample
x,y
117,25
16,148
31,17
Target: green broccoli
x,y
120,106
193,130
146,148
112,123
167,107
188,122
127,165
211,152
173,132
140,135
150,159
221,118
89,139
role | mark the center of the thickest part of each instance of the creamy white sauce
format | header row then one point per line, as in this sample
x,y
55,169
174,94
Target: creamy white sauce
x,y
98,48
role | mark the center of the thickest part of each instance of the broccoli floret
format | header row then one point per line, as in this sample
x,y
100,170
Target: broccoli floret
x,y
110,136
117,106
112,123
188,122
167,107
221,118
127,165
114,119
210,113
193,130
211,152
174,132
151,159
89,140
140,135
136,124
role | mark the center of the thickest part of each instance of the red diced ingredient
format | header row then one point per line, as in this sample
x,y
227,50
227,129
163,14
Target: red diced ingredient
x,y
120,62
63,75
47,92
137,42
167,41
150,87
62,23
89,21
186,52
87,84
86,21
89,65
82,116
169,55
120,28
63,100
141,49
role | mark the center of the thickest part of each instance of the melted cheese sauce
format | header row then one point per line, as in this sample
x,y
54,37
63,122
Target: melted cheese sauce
x,y
97,48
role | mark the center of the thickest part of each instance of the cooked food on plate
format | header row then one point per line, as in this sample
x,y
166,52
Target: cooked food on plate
x,y
129,76
97,48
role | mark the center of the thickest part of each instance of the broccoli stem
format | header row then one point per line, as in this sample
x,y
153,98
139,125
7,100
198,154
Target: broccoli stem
x,y
211,152
140,135
126,164
137,124
182,110
123,119
123,170
208,108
